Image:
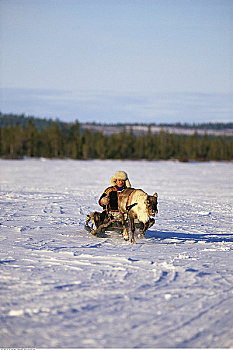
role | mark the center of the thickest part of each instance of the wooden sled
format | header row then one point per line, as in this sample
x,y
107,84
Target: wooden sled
x,y
110,224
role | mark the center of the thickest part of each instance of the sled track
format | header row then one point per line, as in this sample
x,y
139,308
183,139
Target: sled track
x,y
147,295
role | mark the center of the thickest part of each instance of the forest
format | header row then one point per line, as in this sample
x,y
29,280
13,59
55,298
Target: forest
x,y
56,139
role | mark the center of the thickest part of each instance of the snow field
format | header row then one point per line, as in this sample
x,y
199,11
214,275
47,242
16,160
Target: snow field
x,y
62,287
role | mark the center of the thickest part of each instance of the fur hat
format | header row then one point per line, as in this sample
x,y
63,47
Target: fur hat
x,y
120,175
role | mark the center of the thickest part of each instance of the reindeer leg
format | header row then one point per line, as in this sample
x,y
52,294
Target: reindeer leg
x,y
132,227
125,233
145,228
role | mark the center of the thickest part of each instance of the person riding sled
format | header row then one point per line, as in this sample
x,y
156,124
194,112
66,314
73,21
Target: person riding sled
x,y
116,216
109,198
109,201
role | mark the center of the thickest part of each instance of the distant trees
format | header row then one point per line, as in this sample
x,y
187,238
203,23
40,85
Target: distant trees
x,y
68,140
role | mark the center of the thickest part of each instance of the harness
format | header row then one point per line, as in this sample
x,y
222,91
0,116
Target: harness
x,y
127,203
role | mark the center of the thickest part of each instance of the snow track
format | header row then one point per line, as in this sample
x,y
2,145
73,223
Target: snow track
x,y
62,287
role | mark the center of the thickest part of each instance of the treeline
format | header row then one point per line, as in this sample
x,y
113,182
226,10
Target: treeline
x,y
67,141
15,119
42,123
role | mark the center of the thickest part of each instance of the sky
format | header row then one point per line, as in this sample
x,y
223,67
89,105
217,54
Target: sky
x,y
111,61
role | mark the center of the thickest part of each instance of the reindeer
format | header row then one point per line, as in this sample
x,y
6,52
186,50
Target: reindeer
x,y
137,204
133,203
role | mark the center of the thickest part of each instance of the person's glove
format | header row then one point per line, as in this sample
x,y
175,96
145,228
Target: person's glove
x,y
105,200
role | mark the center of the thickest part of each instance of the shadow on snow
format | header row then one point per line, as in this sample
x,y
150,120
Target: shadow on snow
x,y
208,238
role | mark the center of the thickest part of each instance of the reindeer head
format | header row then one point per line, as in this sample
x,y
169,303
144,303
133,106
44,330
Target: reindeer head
x,y
152,202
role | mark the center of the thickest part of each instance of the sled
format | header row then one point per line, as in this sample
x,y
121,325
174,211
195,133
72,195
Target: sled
x,y
112,224
113,227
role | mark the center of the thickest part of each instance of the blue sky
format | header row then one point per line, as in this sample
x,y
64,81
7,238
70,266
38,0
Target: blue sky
x,y
118,60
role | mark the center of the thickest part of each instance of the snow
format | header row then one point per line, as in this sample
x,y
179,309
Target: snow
x,y
62,287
